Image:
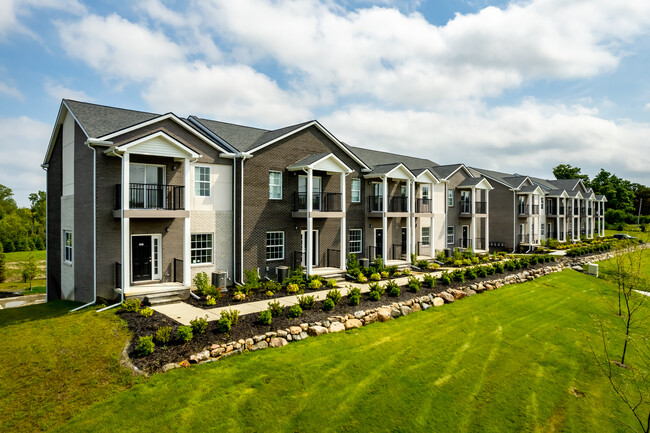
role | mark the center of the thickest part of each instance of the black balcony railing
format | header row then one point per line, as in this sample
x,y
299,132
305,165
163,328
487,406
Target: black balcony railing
x,y
423,205
551,210
333,258
528,210
324,202
561,210
152,196
590,211
375,203
178,270
465,243
464,207
398,204
480,207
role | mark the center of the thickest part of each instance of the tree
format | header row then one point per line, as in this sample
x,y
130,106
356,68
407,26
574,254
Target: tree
x,y
3,269
30,269
566,171
7,203
641,195
619,192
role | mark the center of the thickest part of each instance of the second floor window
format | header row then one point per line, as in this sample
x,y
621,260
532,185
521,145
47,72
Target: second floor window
x,y
426,239
425,192
356,190
67,246
355,241
450,198
202,181
275,185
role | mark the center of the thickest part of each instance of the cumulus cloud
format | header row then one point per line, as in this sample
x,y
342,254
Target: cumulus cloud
x,y
10,91
13,11
57,91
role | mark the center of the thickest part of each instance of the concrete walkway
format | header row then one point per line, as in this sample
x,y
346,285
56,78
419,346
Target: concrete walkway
x,y
183,312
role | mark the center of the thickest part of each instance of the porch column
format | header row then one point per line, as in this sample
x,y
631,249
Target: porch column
x,y
344,237
126,226
187,252
487,220
472,203
384,219
557,219
310,222
530,220
409,223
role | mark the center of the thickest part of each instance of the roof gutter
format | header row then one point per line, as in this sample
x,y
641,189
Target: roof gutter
x,y
201,127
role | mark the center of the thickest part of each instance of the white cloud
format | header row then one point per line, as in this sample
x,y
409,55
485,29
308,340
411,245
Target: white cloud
x,y
27,138
12,11
57,91
11,92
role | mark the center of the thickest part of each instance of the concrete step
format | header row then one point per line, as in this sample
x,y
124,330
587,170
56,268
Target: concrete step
x,y
161,296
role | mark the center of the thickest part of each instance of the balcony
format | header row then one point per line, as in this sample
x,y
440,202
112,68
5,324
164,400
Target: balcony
x,y
152,197
423,205
465,207
321,202
525,210
375,203
480,207
395,204
528,239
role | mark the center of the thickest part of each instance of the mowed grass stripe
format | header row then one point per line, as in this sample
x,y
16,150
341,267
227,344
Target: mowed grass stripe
x,y
498,362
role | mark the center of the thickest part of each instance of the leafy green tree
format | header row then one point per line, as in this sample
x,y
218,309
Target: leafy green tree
x,y
619,192
566,171
30,269
641,195
3,268
7,203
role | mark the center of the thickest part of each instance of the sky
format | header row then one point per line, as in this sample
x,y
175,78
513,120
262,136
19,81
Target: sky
x,y
518,86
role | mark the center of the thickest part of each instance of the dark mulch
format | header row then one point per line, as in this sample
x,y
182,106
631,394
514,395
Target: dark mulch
x,y
175,351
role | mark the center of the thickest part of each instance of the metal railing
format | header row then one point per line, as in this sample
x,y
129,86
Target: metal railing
x,y
375,203
529,210
325,202
464,207
118,275
423,205
297,259
480,207
333,258
464,243
528,239
152,196
398,204
178,270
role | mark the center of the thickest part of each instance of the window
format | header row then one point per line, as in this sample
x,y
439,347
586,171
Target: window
x,y
67,246
275,185
541,203
202,181
274,245
425,236
201,248
403,191
356,190
450,199
450,234
541,227
425,191
355,240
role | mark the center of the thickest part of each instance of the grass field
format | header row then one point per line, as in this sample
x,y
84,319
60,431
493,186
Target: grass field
x,y
14,262
511,360
631,230
54,364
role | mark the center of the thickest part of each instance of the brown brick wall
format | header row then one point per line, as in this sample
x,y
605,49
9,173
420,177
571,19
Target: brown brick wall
x,y
54,189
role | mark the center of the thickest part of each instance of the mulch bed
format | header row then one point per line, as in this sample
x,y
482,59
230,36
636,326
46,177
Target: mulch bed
x,y
175,351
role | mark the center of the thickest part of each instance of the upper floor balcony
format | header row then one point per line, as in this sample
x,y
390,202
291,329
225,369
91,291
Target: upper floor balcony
x,y
465,207
164,201
424,205
395,204
321,202
526,210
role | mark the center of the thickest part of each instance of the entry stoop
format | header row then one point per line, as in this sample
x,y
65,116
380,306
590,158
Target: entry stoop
x,y
159,293
330,273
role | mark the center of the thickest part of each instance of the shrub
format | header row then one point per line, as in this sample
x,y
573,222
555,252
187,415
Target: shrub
x,y
385,274
351,263
146,312
498,267
306,302
334,295
146,345
392,288
470,273
252,279
3,267
414,284
199,324
458,263
211,301
482,272
374,295
362,278
331,283
239,296
354,296
474,260
315,284
406,271
293,288
201,283
224,325
275,308
328,304
445,279
379,263
375,277
458,275
423,264
132,304
534,259
429,280
272,286
265,317
212,292
232,315
294,312
396,274
375,287
184,333
164,334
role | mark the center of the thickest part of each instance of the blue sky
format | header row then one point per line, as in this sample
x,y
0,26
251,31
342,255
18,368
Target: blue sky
x,y
512,86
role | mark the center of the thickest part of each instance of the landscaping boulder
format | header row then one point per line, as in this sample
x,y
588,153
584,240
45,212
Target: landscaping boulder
x,y
259,345
447,297
359,314
438,302
395,312
353,323
370,318
295,330
278,342
216,352
415,307
336,327
425,306
383,314
469,292
405,311
170,366
317,330
458,294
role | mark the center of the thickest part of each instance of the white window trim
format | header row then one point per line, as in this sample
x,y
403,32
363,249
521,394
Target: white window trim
x,y
427,189
428,236
280,185
352,190
199,182
453,235
266,246
211,262
360,250
66,247
450,198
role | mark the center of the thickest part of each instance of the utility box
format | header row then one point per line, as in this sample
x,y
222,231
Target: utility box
x,y
283,273
219,280
592,269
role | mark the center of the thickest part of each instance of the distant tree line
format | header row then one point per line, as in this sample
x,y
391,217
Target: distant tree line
x,y
623,196
22,229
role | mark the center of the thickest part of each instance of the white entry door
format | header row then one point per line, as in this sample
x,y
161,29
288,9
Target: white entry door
x,y
314,248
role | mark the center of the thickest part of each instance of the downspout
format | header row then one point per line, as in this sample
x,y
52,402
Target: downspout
x,y
234,220
514,221
45,167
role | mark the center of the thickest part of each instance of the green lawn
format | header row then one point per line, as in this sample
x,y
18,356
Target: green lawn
x,y
54,364
504,361
14,262
631,230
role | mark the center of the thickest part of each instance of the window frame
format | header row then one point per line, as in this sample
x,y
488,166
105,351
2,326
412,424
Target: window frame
x,y
452,234
194,249
427,237
356,181
450,197
199,185
427,189
360,241
281,246
275,185
68,246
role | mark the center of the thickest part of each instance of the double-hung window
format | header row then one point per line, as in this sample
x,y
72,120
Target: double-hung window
x,y
201,248
202,181
356,190
450,198
274,245
275,185
355,241
450,235
67,246
426,238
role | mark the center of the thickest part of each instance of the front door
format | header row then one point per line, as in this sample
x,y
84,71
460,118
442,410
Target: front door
x,y
314,248
379,242
465,240
403,240
141,256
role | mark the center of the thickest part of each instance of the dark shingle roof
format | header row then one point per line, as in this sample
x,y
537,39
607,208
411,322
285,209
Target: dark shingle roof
x,y
100,120
567,184
471,181
554,192
384,168
377,157
509,179
528,188
444,171
308,160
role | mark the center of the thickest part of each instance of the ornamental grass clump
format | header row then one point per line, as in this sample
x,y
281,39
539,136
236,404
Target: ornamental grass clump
x,y
413,284
335,295
375,277
132,304
232,315
275,308
146,312
445,279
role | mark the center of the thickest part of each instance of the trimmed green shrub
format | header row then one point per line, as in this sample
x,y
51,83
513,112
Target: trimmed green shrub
x,y
199,324
232,315
375,277
315,284
413,284
374,295
306,302
184,333
354,296
392,288
146,345
470,273
362,278
275,308
445,279
201,283
334,295
458,275
164,334
331,283
423,264
265,317
328,304
429,280
293,288
294,312
210,301
375,287
482,272
224,324
498,267
132,304
146,312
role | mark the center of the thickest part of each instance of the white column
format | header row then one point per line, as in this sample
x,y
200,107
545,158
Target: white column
x,y
384,220
344,244
472,203
432,238
310,222
412,199
126,226
487,220
557,218
530,219
187,252
409,222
